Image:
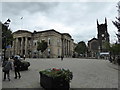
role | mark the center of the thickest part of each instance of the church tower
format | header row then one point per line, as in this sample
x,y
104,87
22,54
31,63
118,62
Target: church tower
x,y
103,36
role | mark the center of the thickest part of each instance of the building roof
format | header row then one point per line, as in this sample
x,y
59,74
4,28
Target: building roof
x,y
35,32
53,31
66,34
22,31
48,31
92,39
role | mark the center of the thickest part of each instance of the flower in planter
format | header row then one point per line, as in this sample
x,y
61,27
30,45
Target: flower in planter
x,y
58,73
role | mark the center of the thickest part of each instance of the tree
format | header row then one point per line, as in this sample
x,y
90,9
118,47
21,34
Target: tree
x,y
7,36
115,49
117,23
106,46
42,46
81,48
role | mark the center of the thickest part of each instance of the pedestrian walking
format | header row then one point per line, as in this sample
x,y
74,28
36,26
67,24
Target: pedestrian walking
x,y
7,66
61,58
24,57
17,65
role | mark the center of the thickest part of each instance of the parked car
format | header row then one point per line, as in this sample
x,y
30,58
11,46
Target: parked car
x,y
17,56
24,64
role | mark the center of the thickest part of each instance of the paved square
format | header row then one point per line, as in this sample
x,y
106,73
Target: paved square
x,y
87,73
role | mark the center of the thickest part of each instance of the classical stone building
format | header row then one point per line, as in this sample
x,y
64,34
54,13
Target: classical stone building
x,y
59,44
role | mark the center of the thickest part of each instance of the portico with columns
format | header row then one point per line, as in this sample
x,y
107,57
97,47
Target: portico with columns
x,y
66,45
22,44
25,43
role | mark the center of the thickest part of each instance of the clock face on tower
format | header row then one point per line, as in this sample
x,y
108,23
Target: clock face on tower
x,y
102,35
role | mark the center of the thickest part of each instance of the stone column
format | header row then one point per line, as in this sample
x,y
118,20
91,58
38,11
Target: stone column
x,y
26,41
13,48
30,46
16,46
21,46
65,46
62,53
69,47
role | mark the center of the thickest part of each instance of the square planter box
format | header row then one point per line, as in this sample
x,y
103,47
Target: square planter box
x,y
50,83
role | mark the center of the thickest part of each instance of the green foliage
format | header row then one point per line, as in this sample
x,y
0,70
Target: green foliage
x,y
115,49
42,46
81,48
7,36
106,45
58,73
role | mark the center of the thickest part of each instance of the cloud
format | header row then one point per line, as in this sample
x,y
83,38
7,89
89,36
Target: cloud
x,y
31,7
76,18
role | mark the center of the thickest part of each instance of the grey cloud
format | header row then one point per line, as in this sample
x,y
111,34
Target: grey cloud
x,y
80,16
31,7
70,13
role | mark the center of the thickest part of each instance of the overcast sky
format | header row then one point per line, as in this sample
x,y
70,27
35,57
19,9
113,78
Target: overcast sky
x,y
76,18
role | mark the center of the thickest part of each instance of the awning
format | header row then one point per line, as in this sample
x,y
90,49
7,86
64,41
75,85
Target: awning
x,y
104,53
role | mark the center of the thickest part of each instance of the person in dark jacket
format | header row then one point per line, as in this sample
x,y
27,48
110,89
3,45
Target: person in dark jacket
x,y
17,67
7,66
24,57
62,58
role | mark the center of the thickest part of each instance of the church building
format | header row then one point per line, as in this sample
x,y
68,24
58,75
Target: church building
x,y
97,45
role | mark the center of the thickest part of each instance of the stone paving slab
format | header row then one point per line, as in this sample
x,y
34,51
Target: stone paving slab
x,y
114,66
87,73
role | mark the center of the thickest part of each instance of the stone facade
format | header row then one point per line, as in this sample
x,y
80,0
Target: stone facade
x,y
59,44
97,45
93,47
102,35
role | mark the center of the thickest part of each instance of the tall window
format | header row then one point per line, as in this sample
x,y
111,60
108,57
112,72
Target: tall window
x,y
35,42
48,41
58,42
48,51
